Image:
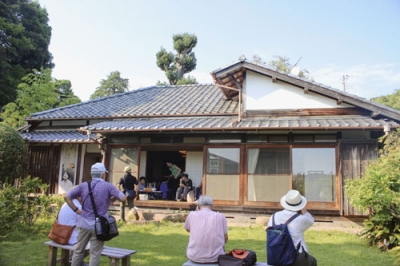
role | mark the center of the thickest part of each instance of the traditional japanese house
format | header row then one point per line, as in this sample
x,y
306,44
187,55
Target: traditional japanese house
x,y
248,138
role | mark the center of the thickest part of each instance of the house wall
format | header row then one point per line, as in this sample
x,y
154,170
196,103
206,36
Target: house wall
x,y
194,166
260,93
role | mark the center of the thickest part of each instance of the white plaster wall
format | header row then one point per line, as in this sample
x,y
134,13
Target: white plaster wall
x,y
194,166
262,94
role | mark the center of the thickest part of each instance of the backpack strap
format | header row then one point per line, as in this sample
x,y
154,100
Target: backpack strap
x,y
292,218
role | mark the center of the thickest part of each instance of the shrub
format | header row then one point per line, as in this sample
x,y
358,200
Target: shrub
x,y
13,154
379,192
23,205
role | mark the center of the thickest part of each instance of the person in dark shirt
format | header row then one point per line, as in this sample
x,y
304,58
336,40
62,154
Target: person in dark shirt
x,y
184,188
127,186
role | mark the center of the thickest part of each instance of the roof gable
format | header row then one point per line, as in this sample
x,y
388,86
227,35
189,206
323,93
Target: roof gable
x,y
230,80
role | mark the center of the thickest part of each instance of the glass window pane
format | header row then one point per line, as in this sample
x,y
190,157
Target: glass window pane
x,y
268,170
314,173
121,157
268,161
223,160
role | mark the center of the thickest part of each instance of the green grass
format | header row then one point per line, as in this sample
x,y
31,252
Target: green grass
x,y
165,244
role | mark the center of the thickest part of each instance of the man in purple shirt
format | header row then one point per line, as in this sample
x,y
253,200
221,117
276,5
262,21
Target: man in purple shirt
x,y
208,233
103,193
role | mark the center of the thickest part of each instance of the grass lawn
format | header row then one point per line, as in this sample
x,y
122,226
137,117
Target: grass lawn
x,y
165,243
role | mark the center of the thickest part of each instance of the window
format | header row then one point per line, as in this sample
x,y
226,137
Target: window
x,y
223,160
268,173
314,173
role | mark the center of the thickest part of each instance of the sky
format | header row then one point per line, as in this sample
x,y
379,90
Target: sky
x,y
356,39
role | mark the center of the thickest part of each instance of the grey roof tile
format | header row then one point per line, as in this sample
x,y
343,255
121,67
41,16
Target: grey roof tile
x,y
152,101
56,136
229,123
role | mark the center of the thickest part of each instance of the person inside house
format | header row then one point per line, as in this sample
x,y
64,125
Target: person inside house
x,y
184,188
173,179
208,232
129,185
142,183
104,193
293,202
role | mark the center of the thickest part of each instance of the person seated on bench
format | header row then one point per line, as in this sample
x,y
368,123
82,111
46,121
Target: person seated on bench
x,y
184,188
67,216
103,193
208,232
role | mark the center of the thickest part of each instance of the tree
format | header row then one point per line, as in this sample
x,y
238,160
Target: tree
x,y
13,154
114,84
391,100
65,94
282,64
184,61
379,192
37,92
24,40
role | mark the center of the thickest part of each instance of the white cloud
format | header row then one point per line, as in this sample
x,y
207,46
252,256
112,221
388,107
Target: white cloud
x,y
367,81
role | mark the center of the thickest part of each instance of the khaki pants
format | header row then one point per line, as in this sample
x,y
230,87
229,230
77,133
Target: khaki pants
x,y
96,247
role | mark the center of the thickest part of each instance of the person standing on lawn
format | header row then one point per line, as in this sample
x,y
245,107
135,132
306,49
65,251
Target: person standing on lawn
x,y
293,202
127,186
104,193
208,232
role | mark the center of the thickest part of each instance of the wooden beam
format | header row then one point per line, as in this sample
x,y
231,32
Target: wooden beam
x,y
339,101
273,79
375,114
306,90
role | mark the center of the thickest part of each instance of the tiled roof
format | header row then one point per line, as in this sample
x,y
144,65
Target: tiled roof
x,y
56,136
178,123
152,101
229,123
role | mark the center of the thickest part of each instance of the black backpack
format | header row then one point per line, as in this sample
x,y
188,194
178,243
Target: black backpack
x,y
280,248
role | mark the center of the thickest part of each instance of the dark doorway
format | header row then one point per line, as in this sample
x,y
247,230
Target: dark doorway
x,y
157,170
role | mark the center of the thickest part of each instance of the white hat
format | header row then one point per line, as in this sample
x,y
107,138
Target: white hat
x,y
98,167
127,169
293,201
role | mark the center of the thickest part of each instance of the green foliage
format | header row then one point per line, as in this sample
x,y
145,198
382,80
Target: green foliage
x,y
65,94
13,154
391,100
37,92
114,84
23,205
24,40
379,192
184,61
165,244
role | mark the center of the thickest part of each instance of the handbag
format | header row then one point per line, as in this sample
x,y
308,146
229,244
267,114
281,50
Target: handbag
x,y
104,227
238,257
60,233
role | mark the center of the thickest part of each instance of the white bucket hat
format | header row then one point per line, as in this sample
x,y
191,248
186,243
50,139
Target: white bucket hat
x,y
293,201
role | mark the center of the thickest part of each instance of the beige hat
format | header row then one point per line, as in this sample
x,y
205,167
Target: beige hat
x,y
127,169
293,201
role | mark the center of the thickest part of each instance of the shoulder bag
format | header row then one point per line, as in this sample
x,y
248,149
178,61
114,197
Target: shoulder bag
x,y
60,233
105,228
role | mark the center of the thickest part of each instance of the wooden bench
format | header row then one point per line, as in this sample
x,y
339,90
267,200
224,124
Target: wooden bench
x,y
191,263
114,254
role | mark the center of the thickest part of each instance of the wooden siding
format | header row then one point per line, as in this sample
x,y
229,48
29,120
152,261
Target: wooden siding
x,y
354,157
44,162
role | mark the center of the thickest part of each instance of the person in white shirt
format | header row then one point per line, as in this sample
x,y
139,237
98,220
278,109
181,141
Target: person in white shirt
x,y
67,216
293,202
